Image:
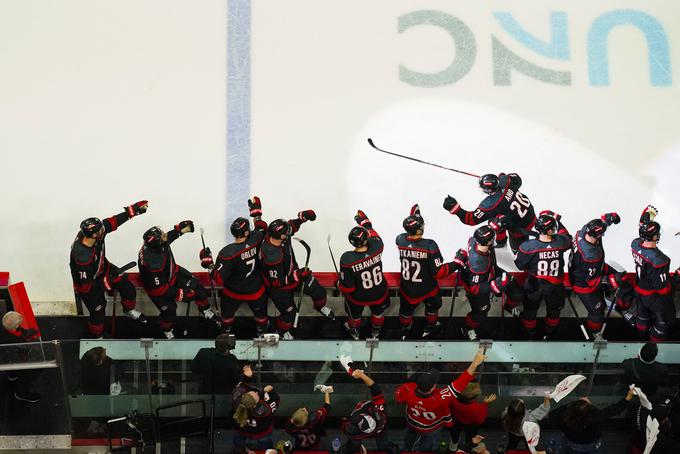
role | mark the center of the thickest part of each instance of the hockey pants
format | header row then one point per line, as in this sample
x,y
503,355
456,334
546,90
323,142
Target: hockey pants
x,y
167,306
657,311
95,299
432,306
284,301
541,290
354,312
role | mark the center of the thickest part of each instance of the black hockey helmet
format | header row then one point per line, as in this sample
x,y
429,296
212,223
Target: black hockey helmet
x,y
489,183
91,226
414,225
545,223
239,227
153,237
278,228
649,230
358,236
485,235
596,228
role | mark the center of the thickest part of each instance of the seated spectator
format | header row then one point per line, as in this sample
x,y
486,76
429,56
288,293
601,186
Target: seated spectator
x,y
581,423
12,332
217,369
96,372
514,417
468,414
644,371
308,430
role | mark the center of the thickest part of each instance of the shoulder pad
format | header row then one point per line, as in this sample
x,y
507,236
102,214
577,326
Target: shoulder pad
x,y
401,240
589,252
491,201
81,254
350,257
151,260
271,255
479,263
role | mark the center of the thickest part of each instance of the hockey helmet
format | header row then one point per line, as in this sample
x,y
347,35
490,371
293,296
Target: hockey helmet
x,y
489,183
414,225
239,227
358,236
650,231
545,223
485,235
278,229
596,228
154,237
91,226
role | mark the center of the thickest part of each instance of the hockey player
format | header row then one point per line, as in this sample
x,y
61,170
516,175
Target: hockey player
x,y
238,270
589,273
652,287
428,407
361,278
482,277
283,276
421,265
543,260
93,274
368,419
503,202
306,428
165,281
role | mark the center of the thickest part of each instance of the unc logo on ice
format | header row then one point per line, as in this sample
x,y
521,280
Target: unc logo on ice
x,y
557,48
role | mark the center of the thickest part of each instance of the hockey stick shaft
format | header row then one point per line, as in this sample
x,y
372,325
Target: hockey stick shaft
x,y
336,292
308,250
453,299
580,322
212,284
373,145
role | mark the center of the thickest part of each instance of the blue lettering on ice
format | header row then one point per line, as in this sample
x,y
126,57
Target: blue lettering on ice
x,y
556,48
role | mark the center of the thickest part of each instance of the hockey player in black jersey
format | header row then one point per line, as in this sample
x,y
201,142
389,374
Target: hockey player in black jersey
x,y
652,287
590,275
503,202
283,276
238,272
482,277
361,278
93,274
421,265
165,281
543,260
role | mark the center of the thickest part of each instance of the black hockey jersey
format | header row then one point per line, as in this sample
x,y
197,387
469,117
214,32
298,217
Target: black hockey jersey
x,y
361,273
652,269
237,268
90,263
374,408
545,260
260,420
421,265
481,270
308,436
278,262
586,264
157,268
507,201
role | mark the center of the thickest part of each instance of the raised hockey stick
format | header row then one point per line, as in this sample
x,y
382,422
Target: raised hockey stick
x,y
370,142
302,288
336,292
212,284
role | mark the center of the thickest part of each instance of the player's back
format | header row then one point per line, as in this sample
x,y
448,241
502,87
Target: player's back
x,y
419,258
239,264
544,259
652,268
366,272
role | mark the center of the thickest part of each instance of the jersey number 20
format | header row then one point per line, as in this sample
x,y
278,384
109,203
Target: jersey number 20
x,y
520,204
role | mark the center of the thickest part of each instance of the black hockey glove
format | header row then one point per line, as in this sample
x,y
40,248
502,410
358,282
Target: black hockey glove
x,y
363,220
648,214
451,205
461,258
499,223
137,208
610,218
184,227
206,258
255,206
415,210
307,215
499,284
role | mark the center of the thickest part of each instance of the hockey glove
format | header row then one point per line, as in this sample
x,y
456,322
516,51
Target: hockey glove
x,y
551,213
107,283
363,220
610,218
255,206
307,215
184,295
137,208
415,210
615,280
499,223
648,214
461,258
499,284
451,205
184,227
206,258
28,334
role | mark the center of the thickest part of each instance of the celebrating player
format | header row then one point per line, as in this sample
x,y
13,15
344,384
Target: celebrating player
x,y
238,270
308,428
165,281
421,265
283,276
482,277
361,278
543,259
93,274
504,203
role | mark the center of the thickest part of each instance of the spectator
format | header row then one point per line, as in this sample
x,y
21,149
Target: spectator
x,y
12,333
581,423
368,419
95,372
514,417
644,371
217,368
308,430
427,406
468,414
254,414
662,407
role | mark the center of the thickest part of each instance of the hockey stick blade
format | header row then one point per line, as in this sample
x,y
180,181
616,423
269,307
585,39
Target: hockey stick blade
x,y
375,147
125,268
